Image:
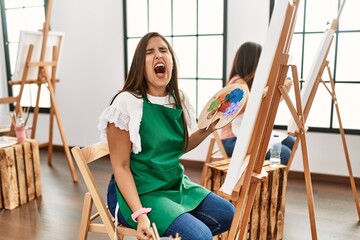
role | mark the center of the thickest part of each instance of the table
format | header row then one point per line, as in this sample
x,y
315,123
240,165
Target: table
x,y
268,211
19,174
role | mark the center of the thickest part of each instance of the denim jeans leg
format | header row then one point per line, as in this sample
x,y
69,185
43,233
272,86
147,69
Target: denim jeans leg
x,y
112,201
229,145
285,154
189,228
212,217
289,142
216,212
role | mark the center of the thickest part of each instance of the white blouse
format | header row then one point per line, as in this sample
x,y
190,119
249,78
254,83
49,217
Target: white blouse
x,y
126,113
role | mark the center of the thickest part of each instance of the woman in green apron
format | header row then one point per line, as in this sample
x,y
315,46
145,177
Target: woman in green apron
x,y
149,125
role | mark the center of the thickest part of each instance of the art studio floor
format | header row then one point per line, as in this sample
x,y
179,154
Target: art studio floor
x,y
56,214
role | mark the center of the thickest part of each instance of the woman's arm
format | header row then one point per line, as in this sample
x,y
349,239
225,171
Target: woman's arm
x,y
120,149
197,137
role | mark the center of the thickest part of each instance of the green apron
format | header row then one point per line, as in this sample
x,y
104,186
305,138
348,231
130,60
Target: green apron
x,y
158,173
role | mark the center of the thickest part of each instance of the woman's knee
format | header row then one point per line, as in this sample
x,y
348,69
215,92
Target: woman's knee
x,y
289,142
285,154
215,212
189,228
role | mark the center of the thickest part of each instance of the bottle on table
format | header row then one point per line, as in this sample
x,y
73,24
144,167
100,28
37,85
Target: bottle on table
x,y
20,129
275,151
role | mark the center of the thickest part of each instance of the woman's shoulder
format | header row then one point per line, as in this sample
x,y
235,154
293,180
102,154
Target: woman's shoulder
x,y
126,113
183,96
236,79
127,98
185,99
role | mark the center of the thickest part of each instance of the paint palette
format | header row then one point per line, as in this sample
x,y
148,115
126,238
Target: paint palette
x,y
225,105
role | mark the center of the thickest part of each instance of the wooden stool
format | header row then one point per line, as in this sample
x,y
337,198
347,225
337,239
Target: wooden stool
x,y
19,174
268,211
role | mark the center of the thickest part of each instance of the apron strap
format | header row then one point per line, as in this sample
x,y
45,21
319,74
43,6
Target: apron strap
x,y
116,221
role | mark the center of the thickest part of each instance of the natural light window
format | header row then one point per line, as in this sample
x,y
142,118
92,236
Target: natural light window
x,y
195,30
23,15
343,60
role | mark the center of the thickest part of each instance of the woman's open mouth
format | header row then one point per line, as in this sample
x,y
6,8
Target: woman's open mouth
x,y
159,68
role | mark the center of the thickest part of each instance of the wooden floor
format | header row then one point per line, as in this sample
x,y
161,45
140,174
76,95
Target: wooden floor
x,y
56,215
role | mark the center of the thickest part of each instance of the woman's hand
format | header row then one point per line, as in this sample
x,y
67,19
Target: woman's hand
x,y
212,126
143,228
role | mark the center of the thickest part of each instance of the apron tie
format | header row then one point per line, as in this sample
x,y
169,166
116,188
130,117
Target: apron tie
x,y
116,221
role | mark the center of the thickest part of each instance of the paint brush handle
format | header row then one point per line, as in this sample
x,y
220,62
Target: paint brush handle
x,y
212,119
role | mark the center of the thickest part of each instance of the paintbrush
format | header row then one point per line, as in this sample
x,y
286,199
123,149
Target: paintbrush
x,y
13,119
27,114
155,232
212,119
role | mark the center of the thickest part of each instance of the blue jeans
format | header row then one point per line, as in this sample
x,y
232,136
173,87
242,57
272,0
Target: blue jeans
x,y
286,148
212,217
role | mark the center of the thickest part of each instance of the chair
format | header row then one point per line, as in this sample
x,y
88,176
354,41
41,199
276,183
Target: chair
x,y
214,154
83,157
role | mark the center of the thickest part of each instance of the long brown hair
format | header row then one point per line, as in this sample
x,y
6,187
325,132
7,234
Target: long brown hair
x,y
245,62
136,84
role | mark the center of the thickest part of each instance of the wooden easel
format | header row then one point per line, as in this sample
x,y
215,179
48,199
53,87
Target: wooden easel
x,y
301,122
244,192
49,80
212,156
298,117
256,177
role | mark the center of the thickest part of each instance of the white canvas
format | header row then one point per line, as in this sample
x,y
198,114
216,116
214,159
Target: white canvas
x,y
309,83
35,38
237,164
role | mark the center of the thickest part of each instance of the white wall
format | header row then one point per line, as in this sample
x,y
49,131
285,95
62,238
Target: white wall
x,y
247,21
92,70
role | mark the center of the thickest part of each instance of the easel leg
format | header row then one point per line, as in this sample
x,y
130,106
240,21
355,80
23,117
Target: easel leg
x,y
51,127
236,222
342,133
206,169
293,151
60,125
239,225
351,176
52,111
66,146
299,118
309,190
249,204
36,112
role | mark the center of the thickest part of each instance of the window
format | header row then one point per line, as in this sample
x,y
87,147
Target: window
x,y
16,16
195,29
344,57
